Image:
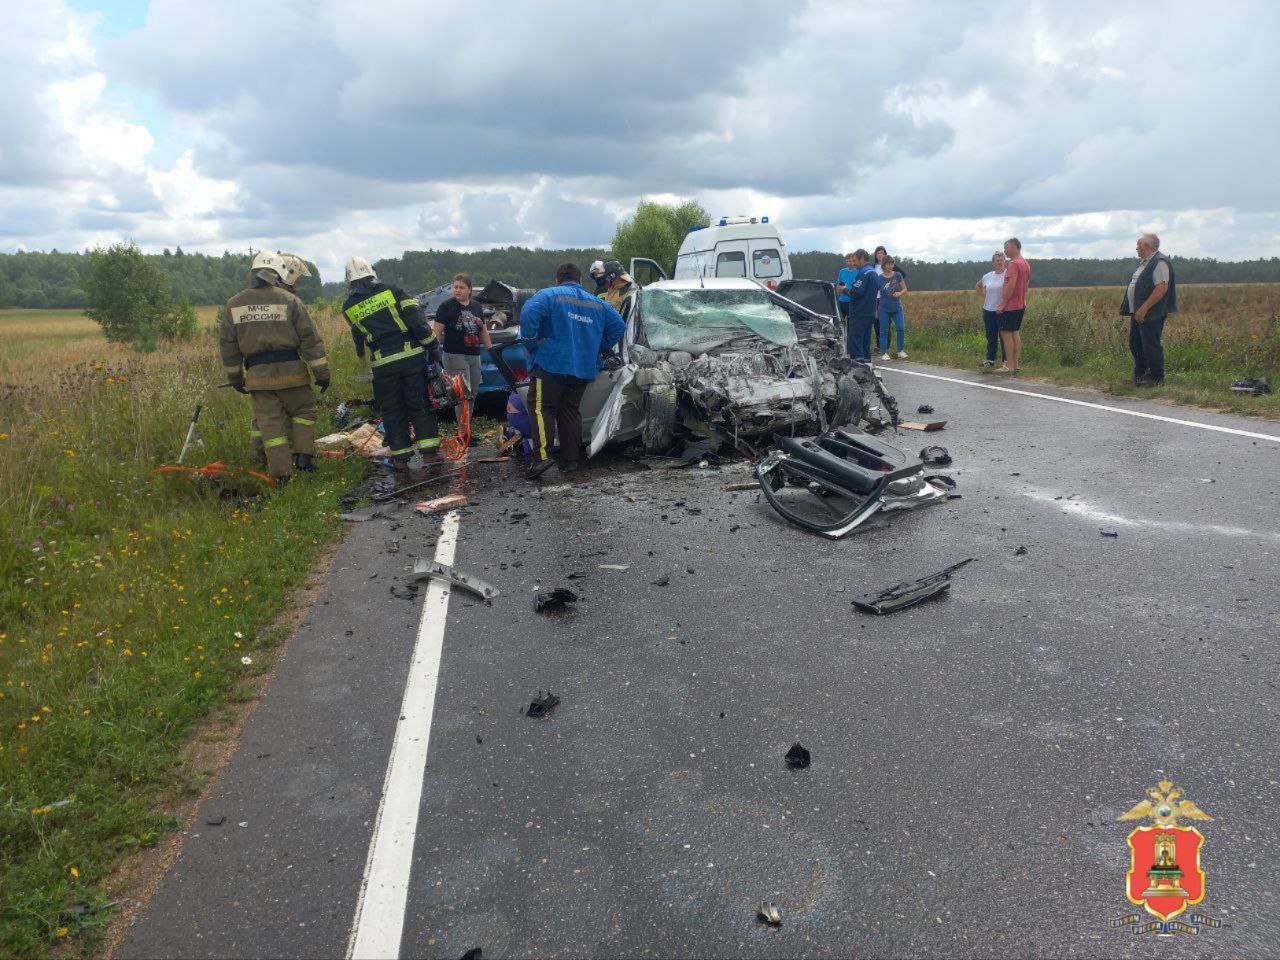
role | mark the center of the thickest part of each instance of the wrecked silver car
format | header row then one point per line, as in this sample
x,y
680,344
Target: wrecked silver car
x,y
728,359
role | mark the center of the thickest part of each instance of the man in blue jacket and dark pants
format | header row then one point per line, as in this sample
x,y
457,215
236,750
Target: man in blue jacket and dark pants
x,y
566,330
861,290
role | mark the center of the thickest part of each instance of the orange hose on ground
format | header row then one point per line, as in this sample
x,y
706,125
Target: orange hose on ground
x,y
455,447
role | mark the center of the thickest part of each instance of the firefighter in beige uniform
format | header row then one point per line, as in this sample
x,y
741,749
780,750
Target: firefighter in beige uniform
x,y
267,339
295,269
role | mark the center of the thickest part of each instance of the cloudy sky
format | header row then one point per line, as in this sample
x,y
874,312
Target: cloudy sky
x,y
937,128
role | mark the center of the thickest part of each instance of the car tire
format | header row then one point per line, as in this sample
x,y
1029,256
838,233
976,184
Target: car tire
x,y
658,432
848,403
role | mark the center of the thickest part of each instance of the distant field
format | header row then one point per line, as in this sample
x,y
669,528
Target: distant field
x,y
1075,336
54,335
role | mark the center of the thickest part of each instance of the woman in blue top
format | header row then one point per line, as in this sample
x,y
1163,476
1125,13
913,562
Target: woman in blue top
x,y
892,287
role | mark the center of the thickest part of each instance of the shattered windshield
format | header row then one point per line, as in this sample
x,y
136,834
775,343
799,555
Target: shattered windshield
x,y
701,320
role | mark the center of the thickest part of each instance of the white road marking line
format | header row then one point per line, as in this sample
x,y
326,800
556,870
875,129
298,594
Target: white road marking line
x,y
379,920
1084,403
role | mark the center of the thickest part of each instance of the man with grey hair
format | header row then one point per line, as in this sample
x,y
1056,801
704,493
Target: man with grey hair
x,y
1151,296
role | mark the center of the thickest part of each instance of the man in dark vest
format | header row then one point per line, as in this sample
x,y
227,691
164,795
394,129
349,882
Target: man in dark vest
x,y
1151,296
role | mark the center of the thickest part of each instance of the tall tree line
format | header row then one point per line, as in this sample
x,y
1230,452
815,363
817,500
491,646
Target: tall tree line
x,y
55,279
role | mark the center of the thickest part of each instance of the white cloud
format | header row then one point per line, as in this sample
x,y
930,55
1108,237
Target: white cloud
x,y
936,128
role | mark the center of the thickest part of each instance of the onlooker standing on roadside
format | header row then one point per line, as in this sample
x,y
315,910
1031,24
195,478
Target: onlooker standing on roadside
x,y
1151,296
1013,304
460,327
844,280
877,258
892,287
991,285
862,306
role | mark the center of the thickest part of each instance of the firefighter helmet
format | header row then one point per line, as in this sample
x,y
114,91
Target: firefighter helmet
x,y
269,266
358,268
296,267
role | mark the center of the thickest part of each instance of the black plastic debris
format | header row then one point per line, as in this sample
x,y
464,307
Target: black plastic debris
x,y
215,821
577,575
517,517
1109,533
935,456
1255,385
909,593
662,582
542,705
475,953
924,408
941,480
797,757
768,913
1020,552
553,601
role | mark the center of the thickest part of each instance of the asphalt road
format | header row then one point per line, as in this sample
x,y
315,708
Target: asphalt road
x,y
970,755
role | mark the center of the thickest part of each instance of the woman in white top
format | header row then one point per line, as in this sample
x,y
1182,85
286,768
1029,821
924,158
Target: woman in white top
x,y
992,286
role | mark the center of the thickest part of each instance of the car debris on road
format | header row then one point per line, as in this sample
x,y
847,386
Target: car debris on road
x,y
554,601
436,504
430,569
542,705
768,913
797,757
833,483
909,593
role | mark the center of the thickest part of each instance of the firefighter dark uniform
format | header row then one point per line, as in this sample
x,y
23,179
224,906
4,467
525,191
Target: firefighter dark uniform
x,y
267,340
390,325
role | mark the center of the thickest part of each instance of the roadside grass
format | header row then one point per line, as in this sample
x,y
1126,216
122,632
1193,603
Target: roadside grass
x,y
127,602
1076,337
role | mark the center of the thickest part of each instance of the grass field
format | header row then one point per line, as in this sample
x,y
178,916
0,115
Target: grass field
x,y
1076,337
131,604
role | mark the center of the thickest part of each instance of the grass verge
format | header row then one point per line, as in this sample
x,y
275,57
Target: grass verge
x,y
1075,337
131,605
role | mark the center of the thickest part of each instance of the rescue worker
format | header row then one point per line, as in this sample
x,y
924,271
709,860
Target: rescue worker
x,y
295,269
403,355
267,339
619,290
596,270
566,331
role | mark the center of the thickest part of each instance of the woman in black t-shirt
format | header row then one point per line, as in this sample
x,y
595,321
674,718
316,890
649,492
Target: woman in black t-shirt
x,y
460,327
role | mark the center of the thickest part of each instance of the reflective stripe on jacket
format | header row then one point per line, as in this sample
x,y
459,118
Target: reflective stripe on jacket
x,y
387,321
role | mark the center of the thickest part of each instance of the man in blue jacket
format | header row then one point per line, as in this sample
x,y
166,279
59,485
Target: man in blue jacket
x,y
565,330
862,290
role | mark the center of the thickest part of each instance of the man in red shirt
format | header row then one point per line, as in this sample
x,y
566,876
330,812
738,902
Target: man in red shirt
x,y
1013,304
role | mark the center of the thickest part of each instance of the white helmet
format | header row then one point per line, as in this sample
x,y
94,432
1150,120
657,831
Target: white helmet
x,y
266,261
597,269
296,267
358,268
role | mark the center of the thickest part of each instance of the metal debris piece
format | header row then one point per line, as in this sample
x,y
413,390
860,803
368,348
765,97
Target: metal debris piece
x,y
928,426
908,594
542,705
1255,385
613,566
768,913
797,757
425,569
553,601
935,456
733,487
437,504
